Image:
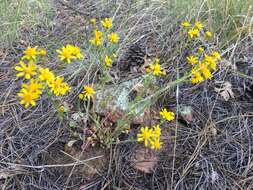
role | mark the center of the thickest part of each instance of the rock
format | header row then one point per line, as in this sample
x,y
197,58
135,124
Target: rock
x,y
186,113
144,159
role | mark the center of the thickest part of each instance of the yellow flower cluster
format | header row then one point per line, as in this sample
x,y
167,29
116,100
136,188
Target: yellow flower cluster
x,y
69,52
31,53
150,137
113,37
87,93
107,23
196,30
203,64
99,38
30,92
108,61
39,78
167,115
202,68
59,87
156,69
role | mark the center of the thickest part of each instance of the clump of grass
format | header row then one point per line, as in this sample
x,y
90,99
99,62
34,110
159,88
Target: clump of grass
x,y
15,15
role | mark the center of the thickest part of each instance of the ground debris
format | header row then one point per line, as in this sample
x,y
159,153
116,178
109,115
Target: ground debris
x,y
144,159
225,90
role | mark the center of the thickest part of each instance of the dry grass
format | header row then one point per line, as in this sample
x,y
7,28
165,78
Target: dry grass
x,y
16,15
212,152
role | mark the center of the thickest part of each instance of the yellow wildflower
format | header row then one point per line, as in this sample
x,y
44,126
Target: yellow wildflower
x,y
148,70
208,34
33,87
145,135
97,39
42,52
87,93
205,71
156,131
26,70
108,61
192,59
193,33
156,69
66,53
76,51
113,37
211,61
93,21
196,76
61,109
46,75
107,23
200,50
169,116
156,144
58,86
114,55
27,97
185,24
30,53
216,55
198,25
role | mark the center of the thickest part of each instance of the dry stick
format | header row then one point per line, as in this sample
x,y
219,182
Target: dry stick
x,y
53,165
175,144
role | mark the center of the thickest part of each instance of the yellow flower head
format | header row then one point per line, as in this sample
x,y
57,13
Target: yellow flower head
x,y
27,97
61,109
156,144
93,21
42,52
26,71
185,24
169,116
33,86
30,53
192,59
156,68
193,33
69,52
107,23
145,135
196,76
66,54
76,51
87,93
114,55
97,39
113,37
59,87
156,131
216,55
200,50
208,34
198,25
46,75
205,71
108,61
211,61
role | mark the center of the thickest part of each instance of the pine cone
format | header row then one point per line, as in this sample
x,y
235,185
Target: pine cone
x,y
134,57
